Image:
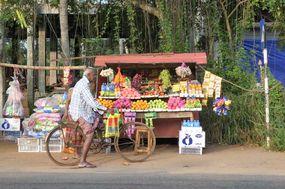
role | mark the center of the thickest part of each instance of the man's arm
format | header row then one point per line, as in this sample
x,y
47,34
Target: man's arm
x,y
89,99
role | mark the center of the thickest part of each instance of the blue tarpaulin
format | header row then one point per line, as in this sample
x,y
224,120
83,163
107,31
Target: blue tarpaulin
x,y
276,56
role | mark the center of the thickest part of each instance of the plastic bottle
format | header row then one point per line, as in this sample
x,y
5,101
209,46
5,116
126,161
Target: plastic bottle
x,y
184,123
196,123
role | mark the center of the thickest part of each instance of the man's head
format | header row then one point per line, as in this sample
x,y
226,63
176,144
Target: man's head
x,y
90,74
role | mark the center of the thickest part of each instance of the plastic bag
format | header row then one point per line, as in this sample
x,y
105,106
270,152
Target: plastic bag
x,y
13,106
112,124
43,102
60,98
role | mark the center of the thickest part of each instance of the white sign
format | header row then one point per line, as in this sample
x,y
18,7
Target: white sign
x,y
10,124
191,139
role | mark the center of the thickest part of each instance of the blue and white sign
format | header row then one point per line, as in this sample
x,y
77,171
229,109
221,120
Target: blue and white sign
x,y
188,139
10,124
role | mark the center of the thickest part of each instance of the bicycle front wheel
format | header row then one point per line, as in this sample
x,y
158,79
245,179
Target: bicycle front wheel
x,y
63,143
136,142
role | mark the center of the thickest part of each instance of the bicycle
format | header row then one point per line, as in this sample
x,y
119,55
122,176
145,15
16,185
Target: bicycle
x,y
135,143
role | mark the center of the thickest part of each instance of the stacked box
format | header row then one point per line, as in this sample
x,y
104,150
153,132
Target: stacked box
x,y
55,145
191,140
28,145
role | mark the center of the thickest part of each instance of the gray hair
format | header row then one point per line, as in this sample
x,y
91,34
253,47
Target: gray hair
x,y
88,71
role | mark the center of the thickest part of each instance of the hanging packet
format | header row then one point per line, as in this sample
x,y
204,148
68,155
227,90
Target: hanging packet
x,y
112,124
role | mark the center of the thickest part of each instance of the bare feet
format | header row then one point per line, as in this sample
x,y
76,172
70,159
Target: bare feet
x,y
86,165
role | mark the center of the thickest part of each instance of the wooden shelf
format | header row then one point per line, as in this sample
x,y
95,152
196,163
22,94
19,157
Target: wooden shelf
x,y
166,115
155,96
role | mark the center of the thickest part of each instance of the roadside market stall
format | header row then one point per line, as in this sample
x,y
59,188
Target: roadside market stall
x,y
160,88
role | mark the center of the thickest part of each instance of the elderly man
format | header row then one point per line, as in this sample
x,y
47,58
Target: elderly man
x,y
84,109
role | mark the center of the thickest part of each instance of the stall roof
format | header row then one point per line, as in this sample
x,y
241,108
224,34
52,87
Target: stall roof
x,y
153,58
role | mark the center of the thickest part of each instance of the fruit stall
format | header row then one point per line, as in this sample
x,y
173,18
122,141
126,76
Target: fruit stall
x,y
161,90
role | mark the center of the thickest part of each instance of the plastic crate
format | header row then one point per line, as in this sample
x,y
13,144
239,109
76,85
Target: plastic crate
x,y
55,145
28,145
190,151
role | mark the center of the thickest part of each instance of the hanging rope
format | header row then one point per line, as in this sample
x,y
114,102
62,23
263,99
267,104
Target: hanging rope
x,y
238,86
53,30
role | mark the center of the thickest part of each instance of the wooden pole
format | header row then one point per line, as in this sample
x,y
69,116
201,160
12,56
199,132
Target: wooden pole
x,y
53,54
30,63
42,56
42,67
2,70
63,17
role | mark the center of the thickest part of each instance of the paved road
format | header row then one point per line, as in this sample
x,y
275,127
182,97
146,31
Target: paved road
x,y
158,180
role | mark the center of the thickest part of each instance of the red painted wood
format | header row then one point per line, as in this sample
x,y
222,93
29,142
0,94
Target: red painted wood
x,y
169,128
153,58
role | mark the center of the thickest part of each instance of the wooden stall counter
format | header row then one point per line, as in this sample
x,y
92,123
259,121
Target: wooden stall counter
x,y
168,124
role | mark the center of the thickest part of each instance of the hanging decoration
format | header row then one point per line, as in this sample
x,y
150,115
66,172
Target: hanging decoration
x,y
130,117
212,85
183,71
221,106
112,124
67,77
149,118
109,73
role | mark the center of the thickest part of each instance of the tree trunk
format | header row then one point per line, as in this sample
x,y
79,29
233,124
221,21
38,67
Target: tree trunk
x,y
228,25
2,70
63,17
15,44
42,56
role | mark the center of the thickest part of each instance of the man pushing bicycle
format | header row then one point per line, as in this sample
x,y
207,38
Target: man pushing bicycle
x,y
84,110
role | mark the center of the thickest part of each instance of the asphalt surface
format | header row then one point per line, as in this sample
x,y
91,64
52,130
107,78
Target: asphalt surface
x,y
219,167
137,181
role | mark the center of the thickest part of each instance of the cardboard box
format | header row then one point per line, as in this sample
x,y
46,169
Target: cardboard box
x,y
190,151
10,124
191,129
188,139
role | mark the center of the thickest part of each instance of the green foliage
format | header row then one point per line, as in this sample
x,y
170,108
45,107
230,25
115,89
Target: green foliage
x,y
165,37
246,122
134,33
17,10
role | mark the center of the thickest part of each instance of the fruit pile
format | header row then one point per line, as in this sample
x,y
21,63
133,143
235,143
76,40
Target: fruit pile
x,y
130,93
140,105
157,104
193,103
107,103
137,81
165,77
175,103
123,103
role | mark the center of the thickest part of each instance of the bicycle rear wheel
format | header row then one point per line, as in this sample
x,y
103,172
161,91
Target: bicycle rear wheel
x,y
71,139
136,142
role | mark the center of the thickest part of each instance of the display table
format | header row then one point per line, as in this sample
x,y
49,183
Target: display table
x,y
168,124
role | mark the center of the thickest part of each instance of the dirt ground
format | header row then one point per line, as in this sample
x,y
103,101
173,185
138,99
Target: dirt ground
x,y
216,159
